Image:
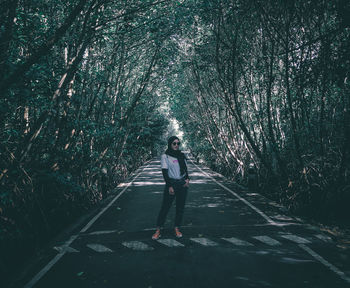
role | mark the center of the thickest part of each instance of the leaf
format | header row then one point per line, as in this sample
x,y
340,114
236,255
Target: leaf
x,y
80,274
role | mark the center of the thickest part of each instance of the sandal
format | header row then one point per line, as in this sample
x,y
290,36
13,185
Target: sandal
x,y
156,235
178,234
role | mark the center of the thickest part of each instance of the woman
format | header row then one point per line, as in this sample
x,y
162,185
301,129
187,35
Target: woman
x,y
174,169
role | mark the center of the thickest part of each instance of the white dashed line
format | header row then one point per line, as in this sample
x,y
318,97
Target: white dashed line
x,y
99,248
137,245
267,240
237,241
296,239
204,241
171,243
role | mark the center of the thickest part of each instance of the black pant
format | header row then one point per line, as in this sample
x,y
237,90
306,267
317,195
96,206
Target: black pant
x,y
180,195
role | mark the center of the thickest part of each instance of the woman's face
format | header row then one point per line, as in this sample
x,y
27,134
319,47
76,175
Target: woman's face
x,y
175,144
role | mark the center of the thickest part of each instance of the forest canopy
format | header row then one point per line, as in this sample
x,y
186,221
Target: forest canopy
x,y
88,89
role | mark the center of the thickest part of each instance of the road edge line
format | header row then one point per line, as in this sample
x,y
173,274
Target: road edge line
x,y
92,221
307,249
257,210
49,265
323,261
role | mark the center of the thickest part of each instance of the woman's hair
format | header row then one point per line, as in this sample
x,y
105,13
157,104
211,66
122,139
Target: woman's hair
x,y
171,140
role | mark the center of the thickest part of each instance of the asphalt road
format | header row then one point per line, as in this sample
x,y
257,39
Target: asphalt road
x,y
231,239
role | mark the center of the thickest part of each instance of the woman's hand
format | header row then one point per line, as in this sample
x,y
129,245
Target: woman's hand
x,y
187,183
171,190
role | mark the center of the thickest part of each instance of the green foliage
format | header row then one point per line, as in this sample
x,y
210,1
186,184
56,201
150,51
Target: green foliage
x,y
250,82
76,120
241,101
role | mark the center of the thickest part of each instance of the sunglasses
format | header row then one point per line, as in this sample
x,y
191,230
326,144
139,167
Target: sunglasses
x,y
176,143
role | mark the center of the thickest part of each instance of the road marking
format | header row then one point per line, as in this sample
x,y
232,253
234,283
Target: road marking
x,y
68,249
237,241
296,239
282,218
204,241
99,248
289,260
49,265
227,226
269,220
92,221
324,238
171,243
103,232
262,214
137,245
267,240
325,262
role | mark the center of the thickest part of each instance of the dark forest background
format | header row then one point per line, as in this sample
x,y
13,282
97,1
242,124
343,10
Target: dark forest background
x,y
88,89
